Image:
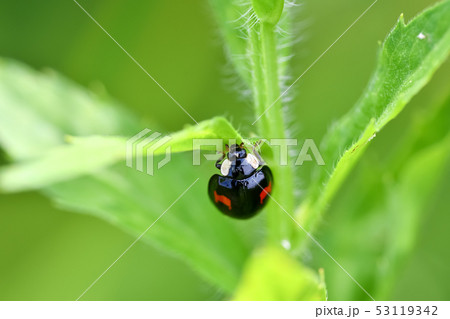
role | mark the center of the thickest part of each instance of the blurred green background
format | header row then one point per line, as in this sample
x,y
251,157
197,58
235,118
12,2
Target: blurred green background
x,y
47,254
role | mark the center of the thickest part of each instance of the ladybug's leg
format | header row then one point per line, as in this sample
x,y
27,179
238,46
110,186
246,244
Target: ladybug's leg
x,y
258,143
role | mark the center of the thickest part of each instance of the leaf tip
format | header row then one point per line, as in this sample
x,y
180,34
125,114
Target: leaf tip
x,y
268,11
401,20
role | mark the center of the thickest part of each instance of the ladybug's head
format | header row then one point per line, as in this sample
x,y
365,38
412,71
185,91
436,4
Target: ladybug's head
x,y
236,151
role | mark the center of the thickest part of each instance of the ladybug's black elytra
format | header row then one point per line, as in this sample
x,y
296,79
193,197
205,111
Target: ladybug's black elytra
x,y
242,189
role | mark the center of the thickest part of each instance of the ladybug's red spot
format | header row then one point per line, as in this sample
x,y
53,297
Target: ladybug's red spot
x,y
265,192
223,199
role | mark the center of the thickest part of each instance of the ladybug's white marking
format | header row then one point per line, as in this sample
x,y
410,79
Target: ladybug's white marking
x,y
225,167
252,160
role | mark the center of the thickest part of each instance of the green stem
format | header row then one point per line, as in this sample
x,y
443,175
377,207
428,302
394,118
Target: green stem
x,y
258,82
272,125
273,115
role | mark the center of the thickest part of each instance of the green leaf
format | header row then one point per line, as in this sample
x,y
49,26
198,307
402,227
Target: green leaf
x,y
272,274
215,128
39,109
406,201
380,211
211,243
81,176
89,154
408,58
62,163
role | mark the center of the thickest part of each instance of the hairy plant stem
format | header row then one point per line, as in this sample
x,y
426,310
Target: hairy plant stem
x,y
266,91
258,81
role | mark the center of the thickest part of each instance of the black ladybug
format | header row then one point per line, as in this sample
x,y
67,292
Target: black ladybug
x,y
243,188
